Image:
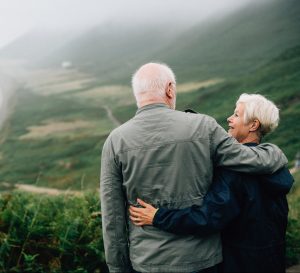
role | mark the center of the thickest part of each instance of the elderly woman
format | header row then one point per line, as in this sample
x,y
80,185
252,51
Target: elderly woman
x,y
249,210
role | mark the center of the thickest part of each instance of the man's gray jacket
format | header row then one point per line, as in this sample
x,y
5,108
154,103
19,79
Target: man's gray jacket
x,y
166,158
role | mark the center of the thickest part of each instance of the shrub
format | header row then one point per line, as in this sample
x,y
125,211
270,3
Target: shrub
x,y
50,233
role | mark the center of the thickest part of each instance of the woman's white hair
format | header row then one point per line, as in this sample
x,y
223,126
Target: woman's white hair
x,y
262,109
143,83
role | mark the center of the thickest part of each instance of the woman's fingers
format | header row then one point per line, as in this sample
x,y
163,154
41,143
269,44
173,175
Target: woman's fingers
x,y
132,208
141,202
138,216
134,213
136,221
142,216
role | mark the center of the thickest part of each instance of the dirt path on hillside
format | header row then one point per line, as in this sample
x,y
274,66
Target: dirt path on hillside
x,y
111,116
44,190
38,190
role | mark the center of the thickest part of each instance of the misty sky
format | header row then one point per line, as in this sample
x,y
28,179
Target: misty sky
x,y
20,16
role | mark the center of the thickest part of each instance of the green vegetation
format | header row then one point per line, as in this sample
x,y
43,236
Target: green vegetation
x,y
293,230
50,234
63,233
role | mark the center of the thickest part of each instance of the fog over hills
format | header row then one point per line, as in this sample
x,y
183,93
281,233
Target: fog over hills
x,y
239,41
36,45
222,46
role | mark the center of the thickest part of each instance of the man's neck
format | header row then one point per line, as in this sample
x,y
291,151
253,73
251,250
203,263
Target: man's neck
x,y
143,103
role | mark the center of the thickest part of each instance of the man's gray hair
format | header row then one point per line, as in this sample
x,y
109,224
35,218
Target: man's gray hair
x,y
262,109
143,83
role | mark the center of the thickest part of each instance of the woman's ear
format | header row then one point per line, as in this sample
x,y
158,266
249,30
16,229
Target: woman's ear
x,y
254,125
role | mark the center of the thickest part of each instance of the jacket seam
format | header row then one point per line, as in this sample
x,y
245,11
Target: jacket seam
x,y
218,255
143,147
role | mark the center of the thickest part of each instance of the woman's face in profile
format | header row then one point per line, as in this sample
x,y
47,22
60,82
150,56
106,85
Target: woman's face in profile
x,y
237,128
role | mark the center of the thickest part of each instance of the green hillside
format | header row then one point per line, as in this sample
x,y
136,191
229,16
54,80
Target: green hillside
x,y
61,159
35,151
237,44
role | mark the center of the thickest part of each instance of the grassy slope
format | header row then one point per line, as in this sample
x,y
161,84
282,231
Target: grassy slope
x,y
61,161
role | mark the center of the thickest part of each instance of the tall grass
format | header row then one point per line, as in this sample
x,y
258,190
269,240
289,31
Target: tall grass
x,y
40,233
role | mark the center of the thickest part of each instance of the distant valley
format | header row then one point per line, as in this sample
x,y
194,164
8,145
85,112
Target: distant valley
x,y
73,92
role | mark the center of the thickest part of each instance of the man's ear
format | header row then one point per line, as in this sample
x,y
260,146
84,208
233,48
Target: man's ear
x,y
169,91
254,125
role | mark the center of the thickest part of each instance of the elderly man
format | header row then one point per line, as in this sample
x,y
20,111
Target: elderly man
x,y
166,157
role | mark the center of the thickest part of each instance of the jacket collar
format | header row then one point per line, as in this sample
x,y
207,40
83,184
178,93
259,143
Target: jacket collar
x,y
151,107
250,144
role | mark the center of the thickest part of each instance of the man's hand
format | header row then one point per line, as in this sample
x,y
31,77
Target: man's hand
x,y
142,216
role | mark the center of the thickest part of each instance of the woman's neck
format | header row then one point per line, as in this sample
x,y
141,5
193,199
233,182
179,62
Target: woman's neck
x,y
251,138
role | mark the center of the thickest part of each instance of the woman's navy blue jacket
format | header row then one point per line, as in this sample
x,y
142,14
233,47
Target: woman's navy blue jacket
x,y
251,213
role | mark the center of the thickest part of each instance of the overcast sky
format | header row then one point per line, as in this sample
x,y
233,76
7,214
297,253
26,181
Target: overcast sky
x,y
20,16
